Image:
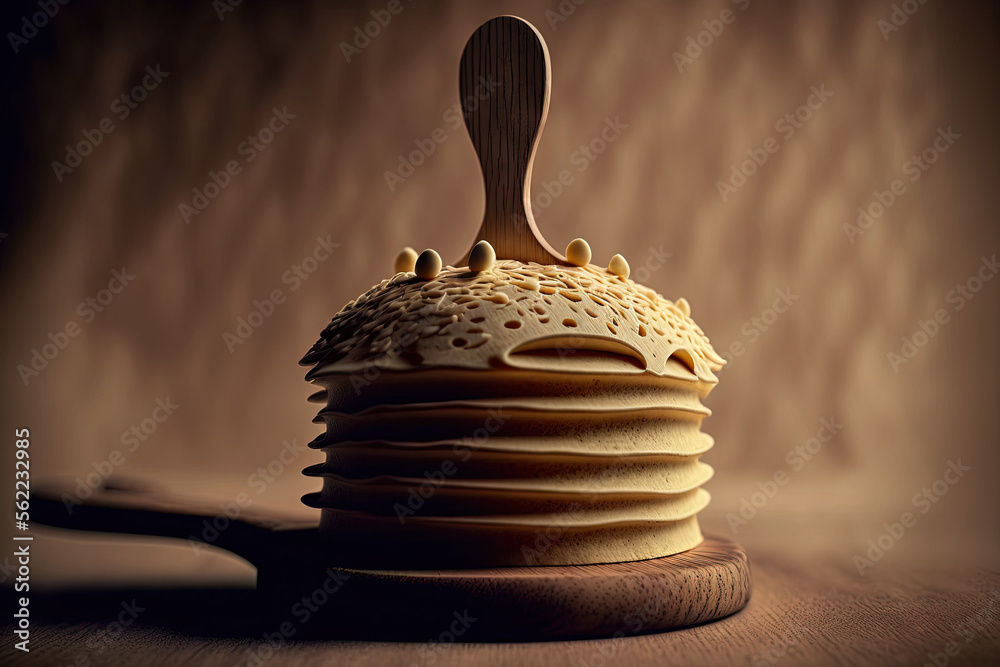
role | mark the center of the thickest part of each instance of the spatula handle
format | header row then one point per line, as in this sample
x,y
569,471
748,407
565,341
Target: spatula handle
x,y
141,509
504,87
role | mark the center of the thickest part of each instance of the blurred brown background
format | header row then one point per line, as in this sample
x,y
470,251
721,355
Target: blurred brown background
x,y
653,191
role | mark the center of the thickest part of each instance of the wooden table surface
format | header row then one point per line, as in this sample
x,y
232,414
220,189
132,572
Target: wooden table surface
x,y
802,612
940,583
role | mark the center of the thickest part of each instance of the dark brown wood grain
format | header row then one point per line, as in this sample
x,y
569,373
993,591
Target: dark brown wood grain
x,y
504,85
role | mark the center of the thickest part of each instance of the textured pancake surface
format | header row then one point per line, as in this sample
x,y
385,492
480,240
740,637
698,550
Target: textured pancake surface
x,y
525,415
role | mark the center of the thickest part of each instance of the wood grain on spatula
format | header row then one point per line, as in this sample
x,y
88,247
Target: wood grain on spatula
x,y
504,87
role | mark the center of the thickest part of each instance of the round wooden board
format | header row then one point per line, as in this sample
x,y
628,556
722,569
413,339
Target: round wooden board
x,y
532,603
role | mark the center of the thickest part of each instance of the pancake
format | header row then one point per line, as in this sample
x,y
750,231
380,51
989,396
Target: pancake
x,y
520,414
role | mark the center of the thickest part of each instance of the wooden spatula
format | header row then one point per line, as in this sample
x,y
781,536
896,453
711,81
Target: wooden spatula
x,y
507,59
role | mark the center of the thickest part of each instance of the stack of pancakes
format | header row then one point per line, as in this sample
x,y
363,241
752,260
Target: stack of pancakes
x,y
527,414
